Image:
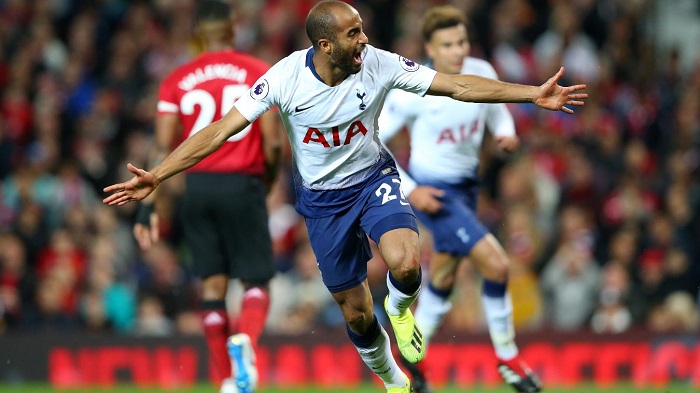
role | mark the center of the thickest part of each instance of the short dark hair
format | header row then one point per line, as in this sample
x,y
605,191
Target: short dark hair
x,y
321,23
212,10
441,17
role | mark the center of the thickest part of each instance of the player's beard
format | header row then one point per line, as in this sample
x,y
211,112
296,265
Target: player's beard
x,y
344,59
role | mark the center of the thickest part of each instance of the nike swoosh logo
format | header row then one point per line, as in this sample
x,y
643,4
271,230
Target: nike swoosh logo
x,y
300,109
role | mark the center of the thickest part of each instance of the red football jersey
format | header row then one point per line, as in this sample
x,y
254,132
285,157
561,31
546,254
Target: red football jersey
x,y
201,92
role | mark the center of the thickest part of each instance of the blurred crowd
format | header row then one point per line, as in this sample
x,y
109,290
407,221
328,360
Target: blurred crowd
x,y
599,211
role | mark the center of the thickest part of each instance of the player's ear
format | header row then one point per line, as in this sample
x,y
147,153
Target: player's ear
x,y
325,45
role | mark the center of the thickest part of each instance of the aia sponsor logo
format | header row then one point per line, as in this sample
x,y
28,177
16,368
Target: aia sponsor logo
x,y
336,138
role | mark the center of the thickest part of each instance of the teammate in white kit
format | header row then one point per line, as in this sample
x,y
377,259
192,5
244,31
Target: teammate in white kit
x,y
446,137
329,97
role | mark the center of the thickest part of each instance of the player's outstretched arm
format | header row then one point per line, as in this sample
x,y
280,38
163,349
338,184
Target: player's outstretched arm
x,y
472,88
187,154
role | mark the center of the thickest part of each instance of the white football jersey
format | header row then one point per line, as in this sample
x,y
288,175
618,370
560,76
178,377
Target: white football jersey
x,y
333,130
445,134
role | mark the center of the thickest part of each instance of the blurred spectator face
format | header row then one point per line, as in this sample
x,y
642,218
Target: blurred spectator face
x,y
12,256
580,169
678,313
651,269
576,257
661,230
30,219
10,302
78,221
101,275
575,227
93,310
680,165
105,219
616,282
676,263
164,263
151,318
12,269
81,36
51,296
522,240
564,20
678,205
515,183
637,158
612,314
623,246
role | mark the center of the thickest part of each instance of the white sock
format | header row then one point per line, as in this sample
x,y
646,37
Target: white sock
x,y
379,359
430,312
399,301
499,317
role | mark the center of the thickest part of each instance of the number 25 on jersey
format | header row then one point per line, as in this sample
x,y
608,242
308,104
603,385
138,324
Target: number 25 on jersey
x,y
207,107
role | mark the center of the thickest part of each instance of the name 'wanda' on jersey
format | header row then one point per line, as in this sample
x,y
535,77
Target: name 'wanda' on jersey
x,y
201,92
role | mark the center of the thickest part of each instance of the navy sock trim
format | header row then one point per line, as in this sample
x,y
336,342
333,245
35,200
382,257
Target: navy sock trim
x,y
408,289
213,304
443,293
494,289
367,339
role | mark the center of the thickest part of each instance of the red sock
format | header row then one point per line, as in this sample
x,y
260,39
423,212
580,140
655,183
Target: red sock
x,y
256,302
216,332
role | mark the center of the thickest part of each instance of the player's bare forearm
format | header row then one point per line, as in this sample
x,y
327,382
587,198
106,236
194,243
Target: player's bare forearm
x,y
200,145
167,127
186,155
190,152
473,88
157,154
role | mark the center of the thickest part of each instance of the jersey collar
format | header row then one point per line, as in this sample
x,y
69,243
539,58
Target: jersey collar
x,y
310,64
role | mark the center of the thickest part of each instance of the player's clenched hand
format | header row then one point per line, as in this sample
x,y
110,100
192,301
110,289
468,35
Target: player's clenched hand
x,y
142,184
426,199
552,96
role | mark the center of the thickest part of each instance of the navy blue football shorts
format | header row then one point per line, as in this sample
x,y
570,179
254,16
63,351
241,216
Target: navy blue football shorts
x,y
339,240
455,227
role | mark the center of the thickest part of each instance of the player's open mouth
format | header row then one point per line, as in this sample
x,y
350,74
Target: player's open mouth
x,y
358,57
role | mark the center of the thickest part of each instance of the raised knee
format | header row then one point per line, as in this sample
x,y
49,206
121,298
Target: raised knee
x,y
500,268
357,320
406,272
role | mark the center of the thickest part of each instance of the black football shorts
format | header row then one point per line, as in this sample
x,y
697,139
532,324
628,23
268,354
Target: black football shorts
x,y
226,226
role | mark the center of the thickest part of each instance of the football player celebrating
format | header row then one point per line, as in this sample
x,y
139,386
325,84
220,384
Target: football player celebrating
x,y
442,187
347,186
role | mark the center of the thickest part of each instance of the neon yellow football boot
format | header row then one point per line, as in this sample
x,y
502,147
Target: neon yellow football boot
x,y
408,336
402,389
